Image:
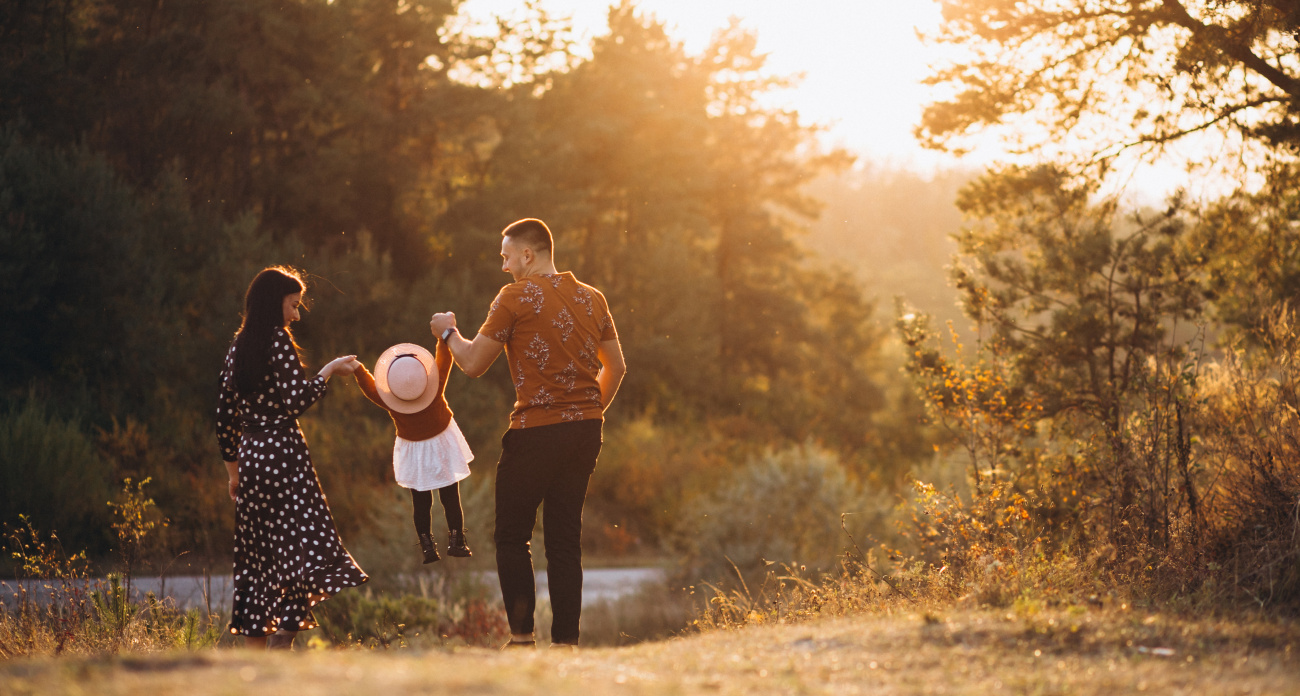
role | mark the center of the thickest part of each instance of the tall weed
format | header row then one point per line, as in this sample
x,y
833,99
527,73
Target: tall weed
x,y
1250,447
81,615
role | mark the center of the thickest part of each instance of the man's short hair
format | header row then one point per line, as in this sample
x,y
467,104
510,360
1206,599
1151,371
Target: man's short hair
x,y
532,233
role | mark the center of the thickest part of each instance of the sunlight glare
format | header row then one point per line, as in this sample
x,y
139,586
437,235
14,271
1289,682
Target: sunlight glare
x,y
861,60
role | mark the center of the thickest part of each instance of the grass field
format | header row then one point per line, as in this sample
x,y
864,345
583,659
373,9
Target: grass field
x,y
1078,651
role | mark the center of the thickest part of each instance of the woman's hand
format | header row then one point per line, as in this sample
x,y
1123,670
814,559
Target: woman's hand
x,y
232,469
342,365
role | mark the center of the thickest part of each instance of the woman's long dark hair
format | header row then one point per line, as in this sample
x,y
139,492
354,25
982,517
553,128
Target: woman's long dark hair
x,y
263,314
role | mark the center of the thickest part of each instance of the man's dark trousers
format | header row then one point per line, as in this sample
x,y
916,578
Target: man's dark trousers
x,y
547,465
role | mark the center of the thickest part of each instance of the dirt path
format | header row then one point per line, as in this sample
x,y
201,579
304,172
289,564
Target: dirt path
x,y
977,652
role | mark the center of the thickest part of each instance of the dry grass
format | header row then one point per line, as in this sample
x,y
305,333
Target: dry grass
x,y
1071,651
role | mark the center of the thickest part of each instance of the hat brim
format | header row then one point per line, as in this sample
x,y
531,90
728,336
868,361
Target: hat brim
x,y
390,399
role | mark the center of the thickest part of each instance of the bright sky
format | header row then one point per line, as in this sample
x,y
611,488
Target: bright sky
x,y
862,65
861,60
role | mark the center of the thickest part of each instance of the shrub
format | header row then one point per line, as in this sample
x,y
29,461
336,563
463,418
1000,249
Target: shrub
x,y
781,508
1252,440
49,471
646,470
370,619
431,612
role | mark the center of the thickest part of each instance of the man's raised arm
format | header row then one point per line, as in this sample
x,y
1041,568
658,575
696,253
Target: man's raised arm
x,y
473,357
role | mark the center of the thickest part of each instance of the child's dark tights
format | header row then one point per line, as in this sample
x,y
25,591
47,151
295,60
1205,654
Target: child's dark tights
x,y
449,496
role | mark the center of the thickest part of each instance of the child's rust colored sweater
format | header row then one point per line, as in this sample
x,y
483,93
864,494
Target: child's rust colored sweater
x,y
420,425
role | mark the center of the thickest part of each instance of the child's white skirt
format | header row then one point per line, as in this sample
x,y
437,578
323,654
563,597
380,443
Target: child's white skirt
x,y
426,465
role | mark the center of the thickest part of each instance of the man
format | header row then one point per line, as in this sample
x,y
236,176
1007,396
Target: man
x,y
566,364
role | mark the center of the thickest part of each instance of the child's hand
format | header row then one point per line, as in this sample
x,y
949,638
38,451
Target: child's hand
x,y
341,365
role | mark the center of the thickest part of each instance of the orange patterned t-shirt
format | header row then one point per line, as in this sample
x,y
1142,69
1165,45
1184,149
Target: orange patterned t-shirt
x,y
551,326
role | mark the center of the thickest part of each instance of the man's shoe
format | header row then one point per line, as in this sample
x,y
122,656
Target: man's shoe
x,y
456,545
519,644
430,549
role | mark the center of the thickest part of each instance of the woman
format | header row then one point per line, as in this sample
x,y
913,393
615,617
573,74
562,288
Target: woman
x,y
288,555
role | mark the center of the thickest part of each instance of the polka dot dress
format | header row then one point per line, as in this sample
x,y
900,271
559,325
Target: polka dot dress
x,y
287,549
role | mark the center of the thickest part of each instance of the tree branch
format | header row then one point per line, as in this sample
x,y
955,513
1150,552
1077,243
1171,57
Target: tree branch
x,y
1218,37
1162,138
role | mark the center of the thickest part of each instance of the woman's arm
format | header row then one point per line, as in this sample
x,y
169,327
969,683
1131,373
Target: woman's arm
x,y
297,391
228,430
232,470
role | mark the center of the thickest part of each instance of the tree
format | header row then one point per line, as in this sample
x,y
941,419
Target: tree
x,y
673,189
1089,318
1250,245
322,119
1118,74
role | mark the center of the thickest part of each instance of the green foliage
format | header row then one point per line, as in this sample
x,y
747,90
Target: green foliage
x,y
51,474
646,475
434,615
783,507
384,621
1085,314
63,215
670,187
195,633
1133,450
320,116
110,605
155,158
1249,245
1100,434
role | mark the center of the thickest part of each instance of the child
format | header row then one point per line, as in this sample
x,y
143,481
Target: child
x,y
430,452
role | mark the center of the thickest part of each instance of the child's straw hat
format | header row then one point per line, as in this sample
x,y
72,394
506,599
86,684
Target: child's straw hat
x,y
406,378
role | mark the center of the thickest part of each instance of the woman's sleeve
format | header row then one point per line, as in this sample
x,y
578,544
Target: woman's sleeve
x,y
297,392
228,430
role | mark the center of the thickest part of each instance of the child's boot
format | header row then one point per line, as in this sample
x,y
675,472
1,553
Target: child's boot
x,y
430,548
456,545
